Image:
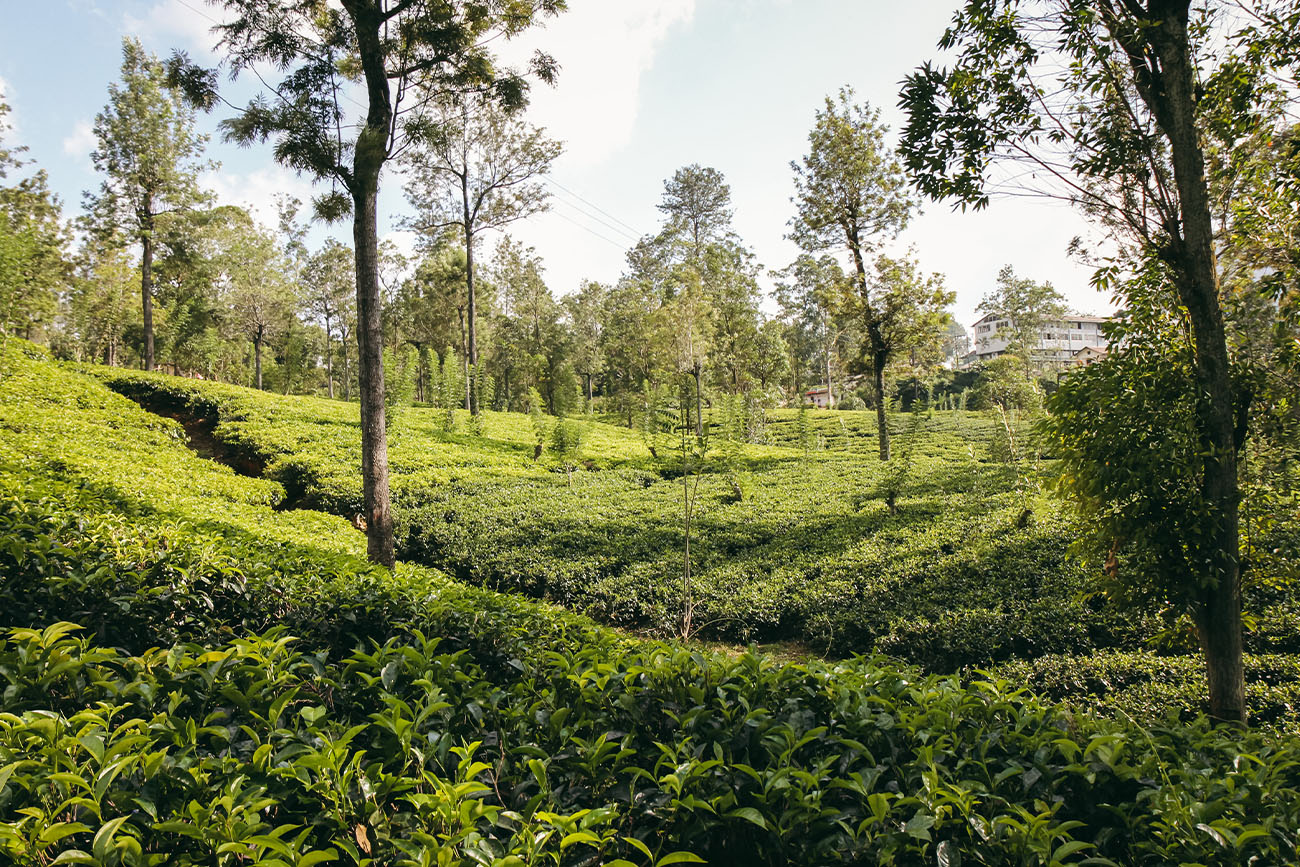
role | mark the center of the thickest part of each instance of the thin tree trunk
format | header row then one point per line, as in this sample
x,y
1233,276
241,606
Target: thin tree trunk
x,y
878,384
368,159
257,358
329,358
146,287
347,368
464,356
471,359
699,401
1218,610
830,398
878,355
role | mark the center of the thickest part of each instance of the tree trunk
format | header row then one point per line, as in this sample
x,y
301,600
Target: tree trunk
x,y
257,358
464,355
368,158
699,401
878,385
347,369
421,372
471,383
830,396
878,355
1217,608
146,287
370,370
588,375
329,359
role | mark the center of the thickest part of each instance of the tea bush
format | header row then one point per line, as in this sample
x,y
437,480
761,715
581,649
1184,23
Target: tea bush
x,y
808,551
471,728
246,689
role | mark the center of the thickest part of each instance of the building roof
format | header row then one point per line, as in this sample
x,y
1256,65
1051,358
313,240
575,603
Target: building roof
x,y
1069,317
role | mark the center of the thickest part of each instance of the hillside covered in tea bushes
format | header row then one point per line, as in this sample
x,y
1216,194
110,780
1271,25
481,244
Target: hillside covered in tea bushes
x,y
241,686
790,545
792,542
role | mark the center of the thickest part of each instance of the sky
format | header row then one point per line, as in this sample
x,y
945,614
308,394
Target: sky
x,y
645,87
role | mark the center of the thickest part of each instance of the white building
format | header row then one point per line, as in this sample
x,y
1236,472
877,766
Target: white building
x,y
820,397
1059,342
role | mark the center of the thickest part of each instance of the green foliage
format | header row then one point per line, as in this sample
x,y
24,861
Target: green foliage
x,y
423,719
33,262
400,367
566,440
537,417
1002,383
1126,433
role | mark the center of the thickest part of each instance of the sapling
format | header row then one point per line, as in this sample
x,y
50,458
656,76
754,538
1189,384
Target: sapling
x,y
693,442
448,389
804,430
538,417
476,419
899,469
566,444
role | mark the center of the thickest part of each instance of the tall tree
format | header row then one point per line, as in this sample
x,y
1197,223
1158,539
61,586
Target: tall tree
x,y
730,276
851,194
1109,103
531,337
404,54
100,305
34,267
150,156
258,301
479,172
584,315
431,305
329,285
1028,308
697,201
902,311
808,291
689,318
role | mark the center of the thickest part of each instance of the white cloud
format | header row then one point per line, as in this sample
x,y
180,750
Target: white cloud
x,y
9,122
257,190
603,48
175,24
80,142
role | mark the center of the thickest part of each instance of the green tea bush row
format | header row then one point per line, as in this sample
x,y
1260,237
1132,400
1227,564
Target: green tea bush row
x,y
969,566
1149,686
440,723
472,726
807,555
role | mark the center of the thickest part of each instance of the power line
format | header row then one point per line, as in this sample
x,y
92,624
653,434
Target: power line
x,y
591,232
597,219
561,186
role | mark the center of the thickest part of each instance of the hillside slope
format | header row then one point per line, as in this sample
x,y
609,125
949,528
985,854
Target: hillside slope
x,y
414,720
788,545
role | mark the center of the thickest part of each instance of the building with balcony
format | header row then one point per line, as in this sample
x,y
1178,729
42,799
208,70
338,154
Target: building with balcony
x,y
1059,341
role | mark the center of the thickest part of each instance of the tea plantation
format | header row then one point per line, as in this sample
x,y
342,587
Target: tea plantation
x,y
198,667
794,542
789,545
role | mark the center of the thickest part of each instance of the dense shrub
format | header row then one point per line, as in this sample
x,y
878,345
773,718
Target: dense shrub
x,y
809,551
471,723
430,722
